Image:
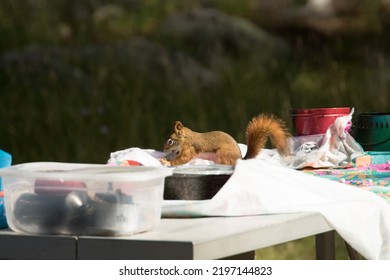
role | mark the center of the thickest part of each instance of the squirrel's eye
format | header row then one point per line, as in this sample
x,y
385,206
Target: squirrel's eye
x,y
170,142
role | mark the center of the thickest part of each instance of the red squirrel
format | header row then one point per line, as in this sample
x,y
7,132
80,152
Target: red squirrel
x,y
184,144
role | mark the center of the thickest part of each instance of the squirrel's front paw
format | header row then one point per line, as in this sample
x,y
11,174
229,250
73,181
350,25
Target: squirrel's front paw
x,y
165,162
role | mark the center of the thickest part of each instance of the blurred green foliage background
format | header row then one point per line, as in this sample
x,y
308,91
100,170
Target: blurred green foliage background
x,y
81,79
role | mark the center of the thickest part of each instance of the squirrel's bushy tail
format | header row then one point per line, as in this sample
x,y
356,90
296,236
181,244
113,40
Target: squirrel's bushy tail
x,y
262,127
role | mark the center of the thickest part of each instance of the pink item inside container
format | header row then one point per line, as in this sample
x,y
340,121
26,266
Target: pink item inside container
x,y
315,120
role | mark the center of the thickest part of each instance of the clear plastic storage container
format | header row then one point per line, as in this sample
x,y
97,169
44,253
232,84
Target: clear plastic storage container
x,y
83,199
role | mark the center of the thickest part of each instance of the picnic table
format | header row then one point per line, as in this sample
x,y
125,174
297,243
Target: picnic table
x,y
179,238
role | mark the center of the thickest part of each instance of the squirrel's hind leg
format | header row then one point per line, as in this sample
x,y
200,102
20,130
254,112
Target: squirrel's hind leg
x,y
227,156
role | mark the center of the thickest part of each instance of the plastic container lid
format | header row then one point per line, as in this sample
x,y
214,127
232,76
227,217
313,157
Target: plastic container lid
x,y
321,111
82,172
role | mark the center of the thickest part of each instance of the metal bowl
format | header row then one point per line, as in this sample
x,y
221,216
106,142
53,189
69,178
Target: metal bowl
x,y
197,182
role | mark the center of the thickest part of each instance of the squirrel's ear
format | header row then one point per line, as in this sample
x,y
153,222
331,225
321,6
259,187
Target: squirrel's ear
x,y
178,127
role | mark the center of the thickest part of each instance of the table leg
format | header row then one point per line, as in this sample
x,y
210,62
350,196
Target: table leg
x,y
353,255
325,246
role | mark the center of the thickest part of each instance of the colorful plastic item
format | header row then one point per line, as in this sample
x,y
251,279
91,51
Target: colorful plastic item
x,y
3,220
379,157
372,131
313,121
5,161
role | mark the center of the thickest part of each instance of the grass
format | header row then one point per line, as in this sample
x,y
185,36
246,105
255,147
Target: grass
x,y
302,249
58,107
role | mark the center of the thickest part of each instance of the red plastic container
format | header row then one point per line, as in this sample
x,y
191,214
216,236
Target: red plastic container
x,y
315,120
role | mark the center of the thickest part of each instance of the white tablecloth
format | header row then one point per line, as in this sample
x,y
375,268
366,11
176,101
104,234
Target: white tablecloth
x,y
262,187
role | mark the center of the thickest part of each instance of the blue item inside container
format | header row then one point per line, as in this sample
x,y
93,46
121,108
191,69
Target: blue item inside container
x,y
3,220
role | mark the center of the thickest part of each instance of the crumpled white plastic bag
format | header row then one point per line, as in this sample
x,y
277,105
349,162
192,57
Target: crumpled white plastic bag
x,y
335,148
146,157
142,156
